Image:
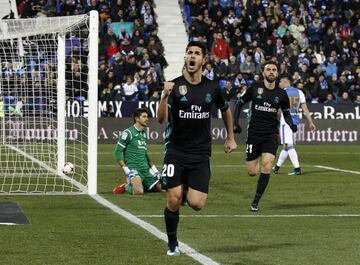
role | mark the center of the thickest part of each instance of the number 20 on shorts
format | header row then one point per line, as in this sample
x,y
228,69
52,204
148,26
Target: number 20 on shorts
x,y
168,170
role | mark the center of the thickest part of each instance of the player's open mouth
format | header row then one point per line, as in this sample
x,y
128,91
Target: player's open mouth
x,y
192,63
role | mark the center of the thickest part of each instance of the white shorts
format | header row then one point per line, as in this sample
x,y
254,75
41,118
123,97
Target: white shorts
x,y
286,134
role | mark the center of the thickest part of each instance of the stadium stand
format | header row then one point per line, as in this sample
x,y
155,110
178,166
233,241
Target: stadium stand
x,y
316,42
129,47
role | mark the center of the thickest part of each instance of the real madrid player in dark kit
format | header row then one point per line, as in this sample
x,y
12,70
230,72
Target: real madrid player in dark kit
x,y
186,105
265,100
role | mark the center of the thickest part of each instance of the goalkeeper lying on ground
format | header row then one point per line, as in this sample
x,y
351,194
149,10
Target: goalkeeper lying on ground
x,y
131,154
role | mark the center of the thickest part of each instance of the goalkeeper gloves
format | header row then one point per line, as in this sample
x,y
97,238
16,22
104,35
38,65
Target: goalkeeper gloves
x,y
155,172
130,174
293,128
237,128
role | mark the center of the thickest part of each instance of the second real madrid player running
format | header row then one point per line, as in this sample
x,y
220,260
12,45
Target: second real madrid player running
x,y
265,100
186,105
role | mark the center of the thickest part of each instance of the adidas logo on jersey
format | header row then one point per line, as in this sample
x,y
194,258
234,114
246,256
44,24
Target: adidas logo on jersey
x,y
183,99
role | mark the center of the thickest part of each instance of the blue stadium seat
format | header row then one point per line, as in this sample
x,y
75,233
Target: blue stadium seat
x,y
186,11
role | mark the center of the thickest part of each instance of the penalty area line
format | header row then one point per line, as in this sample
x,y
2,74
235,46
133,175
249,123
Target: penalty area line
x,y
184,248
338,169
255,215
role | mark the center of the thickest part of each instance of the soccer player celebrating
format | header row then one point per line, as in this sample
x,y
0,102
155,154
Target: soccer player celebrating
x,y
265,98
186,105
287,137
131,154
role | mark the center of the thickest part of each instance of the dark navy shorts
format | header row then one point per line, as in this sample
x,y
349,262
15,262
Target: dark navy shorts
x,y
194,174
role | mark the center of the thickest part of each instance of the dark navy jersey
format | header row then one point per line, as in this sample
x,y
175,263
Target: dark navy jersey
x,y
264,105
189,120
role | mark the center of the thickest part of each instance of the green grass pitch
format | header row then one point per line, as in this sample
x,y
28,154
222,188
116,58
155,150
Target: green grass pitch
x,y
299,222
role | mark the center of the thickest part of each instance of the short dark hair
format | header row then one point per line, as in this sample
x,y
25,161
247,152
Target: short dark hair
x,y
269,62
199,44
137,112
289,78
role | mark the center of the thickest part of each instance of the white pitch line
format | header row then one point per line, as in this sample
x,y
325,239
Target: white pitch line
x,y
239,151
255,215
202,259
338,169
214,166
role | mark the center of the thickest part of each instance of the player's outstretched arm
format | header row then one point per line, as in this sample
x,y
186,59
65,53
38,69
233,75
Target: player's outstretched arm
x,y
162,112
236,127
230,144
246,96
308,117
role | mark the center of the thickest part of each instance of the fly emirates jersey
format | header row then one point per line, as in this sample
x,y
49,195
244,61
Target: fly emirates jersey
x,y
189,120
264,105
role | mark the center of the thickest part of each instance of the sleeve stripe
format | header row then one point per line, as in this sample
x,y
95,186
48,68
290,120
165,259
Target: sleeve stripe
x,y
123,146
131,136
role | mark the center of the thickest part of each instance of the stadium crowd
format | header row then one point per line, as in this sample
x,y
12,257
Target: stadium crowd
x,y
315,43
131,58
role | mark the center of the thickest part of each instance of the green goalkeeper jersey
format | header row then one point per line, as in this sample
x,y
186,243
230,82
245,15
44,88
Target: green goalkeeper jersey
x,y
132,148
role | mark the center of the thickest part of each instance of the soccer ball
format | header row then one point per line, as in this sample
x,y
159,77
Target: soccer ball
x,y
69,168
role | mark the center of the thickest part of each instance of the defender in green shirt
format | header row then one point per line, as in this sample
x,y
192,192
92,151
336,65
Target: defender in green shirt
x,y
131,154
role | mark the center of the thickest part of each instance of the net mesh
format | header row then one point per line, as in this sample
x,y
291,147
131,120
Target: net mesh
x,y
28,104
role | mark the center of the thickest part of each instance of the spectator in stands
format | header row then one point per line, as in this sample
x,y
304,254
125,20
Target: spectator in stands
x,y
343,85
220,68
155,96
303,41
282,29
233,68
152,86
306,92
125,48
322,89
221,48
149,21
209,71
118,70
247,68
197,28
330,100
143,90
296,28
357,100
112,51
130,89
239,81
330,67
345,99
315,32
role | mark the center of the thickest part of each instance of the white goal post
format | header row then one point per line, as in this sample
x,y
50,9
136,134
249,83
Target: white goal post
x,y
48,65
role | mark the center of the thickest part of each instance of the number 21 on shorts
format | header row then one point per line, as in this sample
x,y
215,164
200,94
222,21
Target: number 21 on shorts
x,y
249,148
168,170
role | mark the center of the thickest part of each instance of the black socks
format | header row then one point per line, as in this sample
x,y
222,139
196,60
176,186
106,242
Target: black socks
x,y
261,186
171,222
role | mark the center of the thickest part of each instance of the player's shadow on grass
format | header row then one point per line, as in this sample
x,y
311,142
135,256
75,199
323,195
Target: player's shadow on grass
x,y
248,261
249,248
306,205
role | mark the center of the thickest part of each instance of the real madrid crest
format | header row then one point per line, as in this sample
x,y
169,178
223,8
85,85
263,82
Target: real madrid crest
x,y
208,98
260,91
183,90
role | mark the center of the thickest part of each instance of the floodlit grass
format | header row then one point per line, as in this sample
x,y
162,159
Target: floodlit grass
x,y
77,230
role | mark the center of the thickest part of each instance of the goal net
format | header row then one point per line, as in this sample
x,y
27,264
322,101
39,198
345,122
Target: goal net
x,y
48,68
